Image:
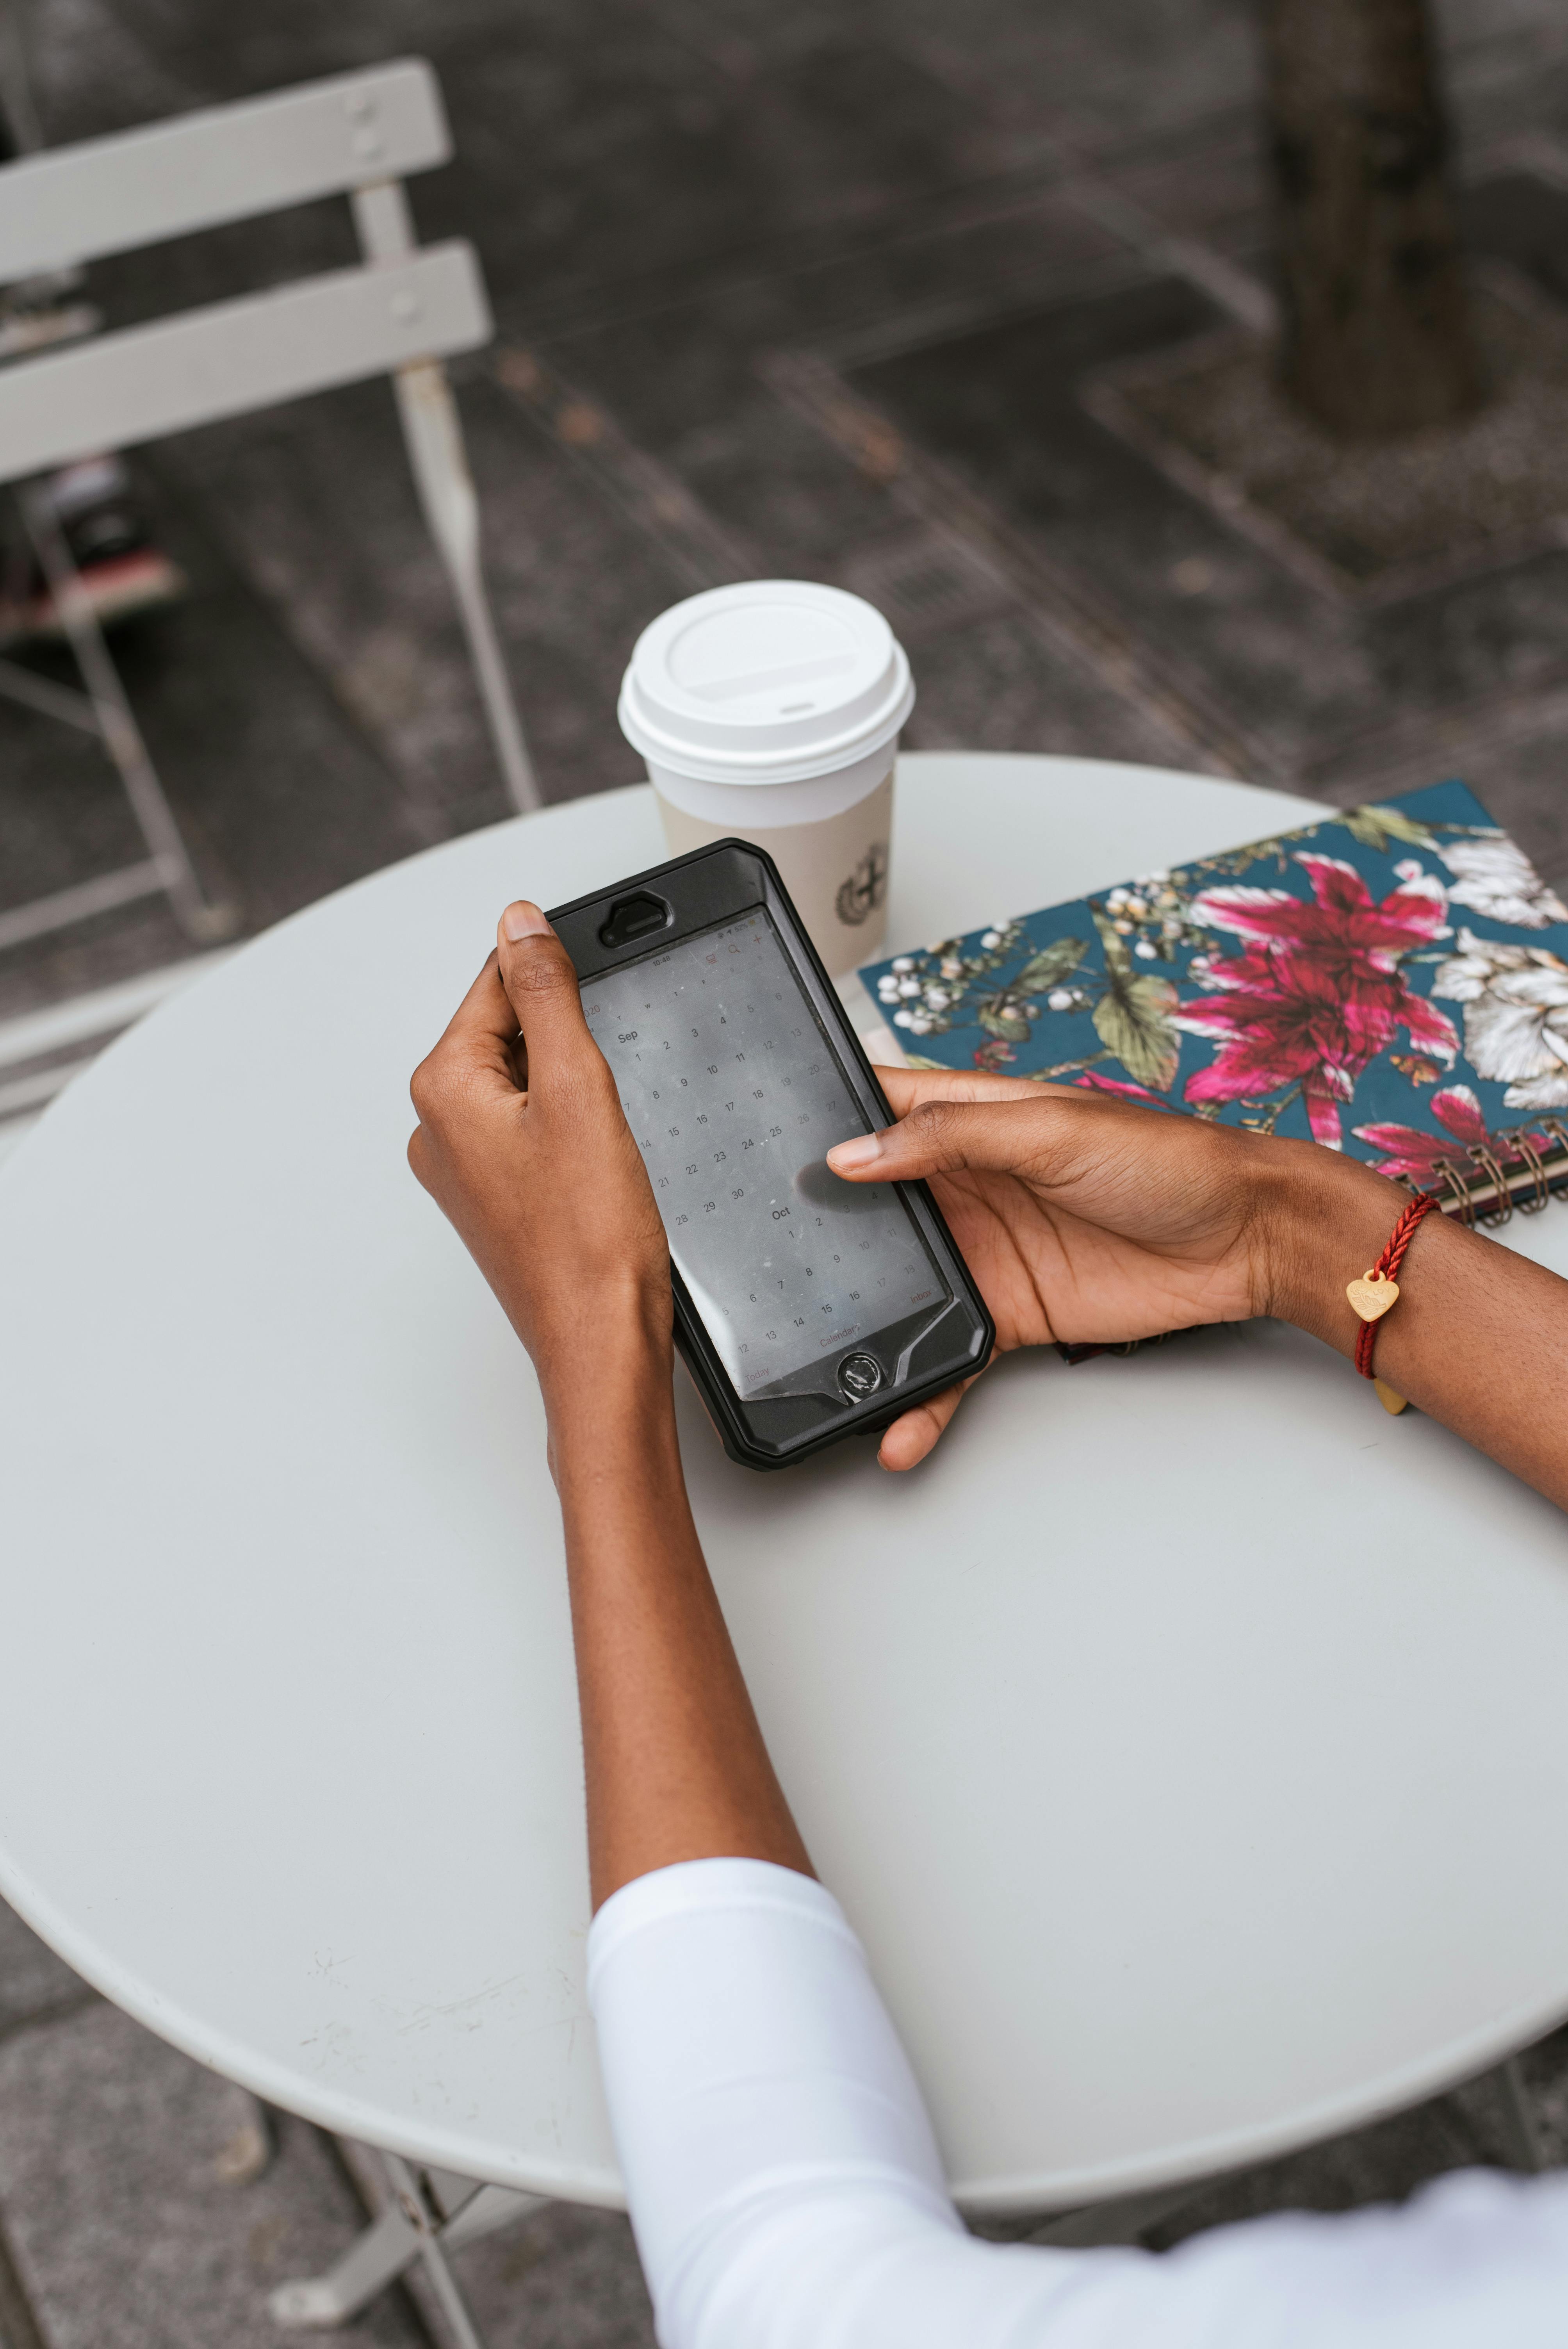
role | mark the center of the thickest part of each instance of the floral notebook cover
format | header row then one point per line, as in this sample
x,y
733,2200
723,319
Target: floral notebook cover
x,y
1392,981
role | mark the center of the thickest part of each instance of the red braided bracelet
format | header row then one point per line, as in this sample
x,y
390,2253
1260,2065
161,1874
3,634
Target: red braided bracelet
x,y
1376,1290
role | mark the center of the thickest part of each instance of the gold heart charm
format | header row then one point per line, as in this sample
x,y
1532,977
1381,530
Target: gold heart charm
x,y
1371,1299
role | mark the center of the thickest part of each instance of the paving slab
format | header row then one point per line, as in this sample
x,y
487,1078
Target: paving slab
x,y
317,507
1297,672
1389,2160
1002,683
565,2278
34,1983
580,112
119,2225
91,74
63,816
674,366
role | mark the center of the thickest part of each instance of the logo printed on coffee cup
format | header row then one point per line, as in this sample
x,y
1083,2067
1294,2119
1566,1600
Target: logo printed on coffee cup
x,y
866,888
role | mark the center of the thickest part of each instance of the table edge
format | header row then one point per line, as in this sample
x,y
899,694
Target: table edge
x,y
994,2195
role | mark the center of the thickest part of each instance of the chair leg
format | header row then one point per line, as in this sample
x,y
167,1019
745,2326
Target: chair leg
x,y
481,2212
61,701
436,452
202,920
427,2212
465,2332
373,2261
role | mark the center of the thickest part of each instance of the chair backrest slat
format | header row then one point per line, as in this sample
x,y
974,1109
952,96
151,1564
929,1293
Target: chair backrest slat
x,y
233,356
221,163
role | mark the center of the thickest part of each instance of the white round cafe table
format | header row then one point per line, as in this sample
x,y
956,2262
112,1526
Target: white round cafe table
x,y
1186,1740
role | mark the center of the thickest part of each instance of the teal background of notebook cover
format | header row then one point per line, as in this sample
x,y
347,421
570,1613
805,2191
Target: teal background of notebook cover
x,y
1391,981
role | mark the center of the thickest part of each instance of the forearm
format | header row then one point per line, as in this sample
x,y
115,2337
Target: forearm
x,y
1478,1337
786,2188
675,1762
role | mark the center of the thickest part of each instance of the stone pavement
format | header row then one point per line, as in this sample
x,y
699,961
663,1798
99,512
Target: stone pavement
x,y
843,293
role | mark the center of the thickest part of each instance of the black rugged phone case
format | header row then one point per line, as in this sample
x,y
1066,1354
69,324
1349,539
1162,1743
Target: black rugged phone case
x,y
700,890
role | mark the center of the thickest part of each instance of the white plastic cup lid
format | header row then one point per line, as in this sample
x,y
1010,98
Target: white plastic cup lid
x,y
770,682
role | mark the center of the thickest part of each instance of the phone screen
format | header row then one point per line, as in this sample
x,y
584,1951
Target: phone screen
x,y
735,1096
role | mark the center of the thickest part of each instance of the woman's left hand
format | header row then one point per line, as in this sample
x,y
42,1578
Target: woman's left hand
x,y
522,1142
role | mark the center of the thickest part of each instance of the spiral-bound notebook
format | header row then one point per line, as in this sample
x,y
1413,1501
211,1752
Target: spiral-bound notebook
x,y
1391,981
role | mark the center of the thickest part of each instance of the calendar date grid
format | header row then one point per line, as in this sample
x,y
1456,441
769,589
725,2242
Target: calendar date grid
x,y
735,1097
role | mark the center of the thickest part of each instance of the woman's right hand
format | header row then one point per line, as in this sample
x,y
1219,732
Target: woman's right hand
x,y
522,1142
1087,1219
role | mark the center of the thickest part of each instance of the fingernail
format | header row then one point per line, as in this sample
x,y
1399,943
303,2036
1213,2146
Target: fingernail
x,y
858,1151
522,921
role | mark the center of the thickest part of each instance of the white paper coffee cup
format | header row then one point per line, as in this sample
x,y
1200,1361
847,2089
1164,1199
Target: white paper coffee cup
x,y
771,712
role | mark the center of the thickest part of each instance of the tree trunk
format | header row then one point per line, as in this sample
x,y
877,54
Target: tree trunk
x,y
1378,338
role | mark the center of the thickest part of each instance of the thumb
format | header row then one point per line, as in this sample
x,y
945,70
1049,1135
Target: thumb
x,y
938,1137
542,987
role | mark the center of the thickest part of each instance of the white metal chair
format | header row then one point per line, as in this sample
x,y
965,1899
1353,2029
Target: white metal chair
x,y
408,307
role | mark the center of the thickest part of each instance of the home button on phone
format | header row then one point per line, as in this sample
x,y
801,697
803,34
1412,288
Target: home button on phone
x,y
859,1375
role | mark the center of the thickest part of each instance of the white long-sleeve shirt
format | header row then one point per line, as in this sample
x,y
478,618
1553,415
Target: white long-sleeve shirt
x,y
786,2192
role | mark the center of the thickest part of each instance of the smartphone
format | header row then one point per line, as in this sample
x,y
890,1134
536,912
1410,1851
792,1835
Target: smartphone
x,y
807,1308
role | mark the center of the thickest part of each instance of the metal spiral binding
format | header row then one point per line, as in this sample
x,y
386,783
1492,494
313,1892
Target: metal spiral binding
x,y
1482,1187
